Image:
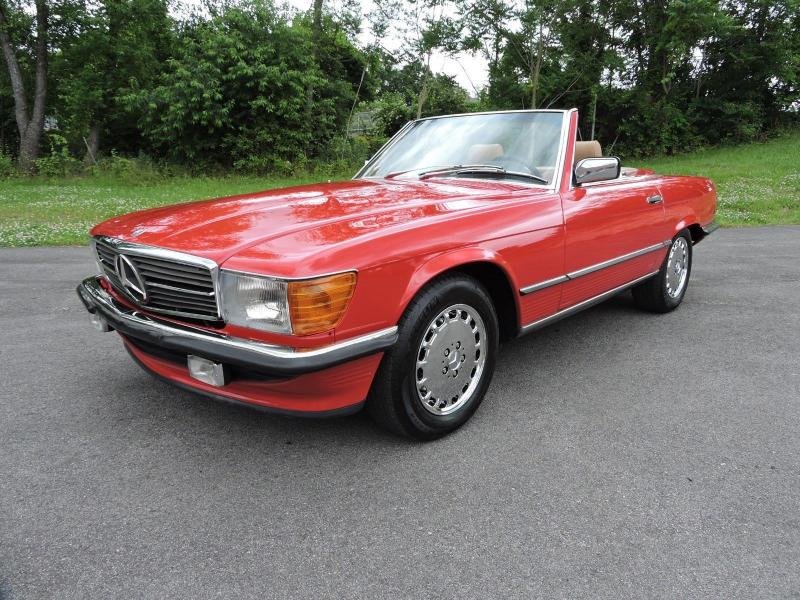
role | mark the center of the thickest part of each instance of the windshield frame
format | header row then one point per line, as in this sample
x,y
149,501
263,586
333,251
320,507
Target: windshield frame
x,y
405,129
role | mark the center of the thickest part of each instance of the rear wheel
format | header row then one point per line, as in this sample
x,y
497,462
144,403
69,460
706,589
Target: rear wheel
x,y
434,378
665,291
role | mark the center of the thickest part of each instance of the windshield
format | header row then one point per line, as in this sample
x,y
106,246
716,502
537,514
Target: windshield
x,y
474,146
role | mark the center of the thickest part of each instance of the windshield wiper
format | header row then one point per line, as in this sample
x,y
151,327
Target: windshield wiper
x,y
460,168
414,170
442,169
481,169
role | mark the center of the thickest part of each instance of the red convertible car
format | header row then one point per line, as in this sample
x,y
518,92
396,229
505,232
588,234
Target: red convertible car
x,y
393,290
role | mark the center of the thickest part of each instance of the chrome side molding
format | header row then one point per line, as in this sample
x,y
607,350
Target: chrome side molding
x,y
542,285
619,259
593,268
575,308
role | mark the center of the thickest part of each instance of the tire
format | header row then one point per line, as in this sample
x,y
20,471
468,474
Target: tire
x,y
436,375
665,291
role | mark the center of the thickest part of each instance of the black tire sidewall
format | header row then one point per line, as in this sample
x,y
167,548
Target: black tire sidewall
x,y
447,292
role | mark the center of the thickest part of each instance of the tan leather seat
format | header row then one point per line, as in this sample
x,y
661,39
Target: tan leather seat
x,y
483,153
590,149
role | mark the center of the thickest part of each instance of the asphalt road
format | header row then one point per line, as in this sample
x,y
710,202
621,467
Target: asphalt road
x,y
618,454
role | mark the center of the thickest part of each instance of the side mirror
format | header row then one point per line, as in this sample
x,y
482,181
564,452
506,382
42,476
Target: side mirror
x,y
597,169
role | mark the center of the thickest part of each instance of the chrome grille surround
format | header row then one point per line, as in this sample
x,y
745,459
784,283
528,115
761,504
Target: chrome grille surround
x,y
176,284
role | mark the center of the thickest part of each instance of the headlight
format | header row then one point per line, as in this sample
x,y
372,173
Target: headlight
x,y
301,307
252,301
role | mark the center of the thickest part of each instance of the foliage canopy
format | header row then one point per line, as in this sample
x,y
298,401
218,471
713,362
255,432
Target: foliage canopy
x,y
254,87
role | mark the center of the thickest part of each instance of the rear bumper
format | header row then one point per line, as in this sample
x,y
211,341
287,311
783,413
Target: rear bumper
x,y
272,360
710,228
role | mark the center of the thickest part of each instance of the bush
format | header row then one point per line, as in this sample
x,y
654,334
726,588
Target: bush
x,y
644,127
269,164
734,123
236,93
7,167
129,170
59,163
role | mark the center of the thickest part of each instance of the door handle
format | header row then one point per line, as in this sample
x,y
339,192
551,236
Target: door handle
x,y
655,199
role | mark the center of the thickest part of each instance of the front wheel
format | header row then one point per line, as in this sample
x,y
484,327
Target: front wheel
x,y
665,291
433,379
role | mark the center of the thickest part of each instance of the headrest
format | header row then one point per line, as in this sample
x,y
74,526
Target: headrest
x,y
482,153
590,149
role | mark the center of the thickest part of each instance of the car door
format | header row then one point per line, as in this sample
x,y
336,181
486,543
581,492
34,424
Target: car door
x,y
614,233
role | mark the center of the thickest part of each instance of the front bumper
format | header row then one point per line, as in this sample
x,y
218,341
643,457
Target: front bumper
x,y
272,360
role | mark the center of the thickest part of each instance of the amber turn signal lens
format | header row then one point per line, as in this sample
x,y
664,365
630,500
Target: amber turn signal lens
x,y
317,305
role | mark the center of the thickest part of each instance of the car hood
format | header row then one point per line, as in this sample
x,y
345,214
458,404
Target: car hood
x,y
304,217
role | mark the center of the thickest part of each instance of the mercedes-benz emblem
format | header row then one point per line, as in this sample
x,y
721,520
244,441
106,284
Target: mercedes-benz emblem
x,y
129,278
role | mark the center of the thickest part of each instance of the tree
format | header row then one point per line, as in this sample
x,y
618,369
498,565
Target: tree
x,y
423,28
751,77
121,45
397,101
234,92
30,123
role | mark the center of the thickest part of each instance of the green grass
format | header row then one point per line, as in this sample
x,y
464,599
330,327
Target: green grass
x,y
39,212
758,184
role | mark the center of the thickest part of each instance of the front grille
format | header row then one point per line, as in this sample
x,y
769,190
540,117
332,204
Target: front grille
x,y
172,287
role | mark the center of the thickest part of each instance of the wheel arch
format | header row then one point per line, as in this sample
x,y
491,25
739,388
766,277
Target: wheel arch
x,y
485,266
697,232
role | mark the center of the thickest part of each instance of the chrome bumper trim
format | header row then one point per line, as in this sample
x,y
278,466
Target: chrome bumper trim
x,y
267,358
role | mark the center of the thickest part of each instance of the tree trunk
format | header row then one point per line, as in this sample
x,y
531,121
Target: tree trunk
x,y
423,96
29,128
317,23
425,91
537,65
316,37
92,145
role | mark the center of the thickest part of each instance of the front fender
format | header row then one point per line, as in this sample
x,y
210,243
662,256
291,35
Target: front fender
x,y
448,261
